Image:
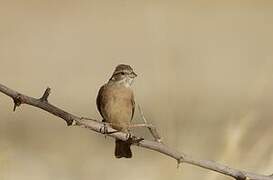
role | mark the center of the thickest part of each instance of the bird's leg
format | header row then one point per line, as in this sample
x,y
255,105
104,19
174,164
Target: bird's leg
x,y
128,135
104,128
132,139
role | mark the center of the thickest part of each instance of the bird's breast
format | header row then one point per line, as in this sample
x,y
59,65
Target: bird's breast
x,y
118,106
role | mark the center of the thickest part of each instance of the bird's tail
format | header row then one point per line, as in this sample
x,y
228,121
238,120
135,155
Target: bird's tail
x,y
123,149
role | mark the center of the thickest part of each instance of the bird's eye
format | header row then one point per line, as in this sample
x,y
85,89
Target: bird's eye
x,y
122,73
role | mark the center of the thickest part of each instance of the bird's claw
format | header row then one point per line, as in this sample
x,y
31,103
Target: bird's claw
x,y
129,136
133,139
104,129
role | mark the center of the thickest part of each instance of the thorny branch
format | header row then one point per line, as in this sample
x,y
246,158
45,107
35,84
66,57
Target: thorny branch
x,y
152,129
156,145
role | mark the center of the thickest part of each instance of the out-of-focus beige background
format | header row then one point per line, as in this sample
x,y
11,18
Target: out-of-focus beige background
x,y
205,80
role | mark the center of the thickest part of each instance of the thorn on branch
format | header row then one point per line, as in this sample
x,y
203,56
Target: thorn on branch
x,y
74,123
17,101
45,95
179,161
69,121
241,176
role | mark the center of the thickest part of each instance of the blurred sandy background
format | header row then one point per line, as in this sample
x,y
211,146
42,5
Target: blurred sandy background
x,y
205,79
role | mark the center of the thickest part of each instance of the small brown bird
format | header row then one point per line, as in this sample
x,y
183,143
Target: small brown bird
x,y
115,102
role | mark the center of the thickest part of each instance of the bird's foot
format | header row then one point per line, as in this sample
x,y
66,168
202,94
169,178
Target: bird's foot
x,y
128,136
133,139
104,129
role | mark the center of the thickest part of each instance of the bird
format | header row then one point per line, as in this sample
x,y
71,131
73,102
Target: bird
x,y
116,104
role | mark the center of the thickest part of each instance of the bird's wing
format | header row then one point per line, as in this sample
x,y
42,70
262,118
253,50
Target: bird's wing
x,y
99,100
133,106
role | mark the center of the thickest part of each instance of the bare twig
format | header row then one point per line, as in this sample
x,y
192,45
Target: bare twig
x,y
152,129
153,145
141,125
45,95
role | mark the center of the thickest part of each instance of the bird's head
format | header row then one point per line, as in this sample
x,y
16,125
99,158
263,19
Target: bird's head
x,y
124,75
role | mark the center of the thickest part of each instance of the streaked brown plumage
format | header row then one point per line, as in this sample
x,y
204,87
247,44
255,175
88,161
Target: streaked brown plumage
x,y
115,102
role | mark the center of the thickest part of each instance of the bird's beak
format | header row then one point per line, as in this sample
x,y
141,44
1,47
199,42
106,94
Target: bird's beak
x,y
135,75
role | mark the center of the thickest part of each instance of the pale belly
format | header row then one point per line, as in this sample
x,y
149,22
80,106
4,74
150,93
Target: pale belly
x,y
118,108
